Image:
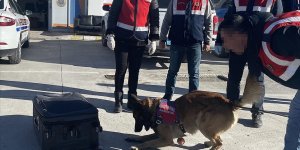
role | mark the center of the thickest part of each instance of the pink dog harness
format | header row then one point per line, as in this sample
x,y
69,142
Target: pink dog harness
x,y
166,114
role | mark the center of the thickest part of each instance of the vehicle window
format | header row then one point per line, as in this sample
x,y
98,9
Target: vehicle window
x,y
31,7
212,5
20,10
13,6
1,4
222,3
163,3
227,4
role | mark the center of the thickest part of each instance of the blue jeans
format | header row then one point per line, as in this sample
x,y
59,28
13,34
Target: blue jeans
x,y
292,136
193,54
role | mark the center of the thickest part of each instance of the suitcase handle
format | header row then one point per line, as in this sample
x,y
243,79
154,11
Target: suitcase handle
x,y
70,132
73,132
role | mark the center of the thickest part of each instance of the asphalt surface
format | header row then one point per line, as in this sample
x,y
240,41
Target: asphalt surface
x,y
60,62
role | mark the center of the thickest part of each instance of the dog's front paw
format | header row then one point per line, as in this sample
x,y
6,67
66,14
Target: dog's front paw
x,y
133,148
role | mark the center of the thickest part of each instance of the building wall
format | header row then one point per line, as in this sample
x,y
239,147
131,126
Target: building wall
x,y
60,14
64,12
83,7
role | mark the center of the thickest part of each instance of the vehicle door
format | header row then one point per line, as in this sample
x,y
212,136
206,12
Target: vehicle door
x,y
22,21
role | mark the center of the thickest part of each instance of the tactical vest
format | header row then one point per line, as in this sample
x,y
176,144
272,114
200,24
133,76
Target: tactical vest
x,y
133,20
187,28
259,5
284,68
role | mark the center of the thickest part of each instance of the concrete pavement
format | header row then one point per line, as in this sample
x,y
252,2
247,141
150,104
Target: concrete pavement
x,y
54,64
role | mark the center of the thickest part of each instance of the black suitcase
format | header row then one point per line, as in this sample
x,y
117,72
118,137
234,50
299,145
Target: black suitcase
x,y
65,122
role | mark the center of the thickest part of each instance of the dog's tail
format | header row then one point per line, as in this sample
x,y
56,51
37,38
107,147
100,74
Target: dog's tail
x,y
254,90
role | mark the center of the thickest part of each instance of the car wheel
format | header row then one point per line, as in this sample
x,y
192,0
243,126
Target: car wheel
x,y
104,40
220,52
26,44
15,58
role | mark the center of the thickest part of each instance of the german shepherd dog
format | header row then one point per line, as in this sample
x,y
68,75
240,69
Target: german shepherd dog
x,y
208,112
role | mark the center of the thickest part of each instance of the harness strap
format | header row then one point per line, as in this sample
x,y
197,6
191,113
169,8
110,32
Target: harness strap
x,y
181,127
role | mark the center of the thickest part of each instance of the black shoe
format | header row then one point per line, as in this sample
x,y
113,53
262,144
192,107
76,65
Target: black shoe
x,y
256,119
118,102
118,108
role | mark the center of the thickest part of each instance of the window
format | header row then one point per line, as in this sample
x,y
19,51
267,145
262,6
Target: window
x,y
222,3
12,8
20,10
163,3
1,4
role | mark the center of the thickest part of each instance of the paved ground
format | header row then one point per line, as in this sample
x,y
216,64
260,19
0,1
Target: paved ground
x,y
57,63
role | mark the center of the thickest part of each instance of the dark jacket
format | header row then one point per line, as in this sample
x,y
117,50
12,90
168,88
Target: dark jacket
x,y
187,28
277,9
134,35
290,5
284,42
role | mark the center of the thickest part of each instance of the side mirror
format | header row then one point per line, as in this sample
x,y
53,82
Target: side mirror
x,y
28,12
106,7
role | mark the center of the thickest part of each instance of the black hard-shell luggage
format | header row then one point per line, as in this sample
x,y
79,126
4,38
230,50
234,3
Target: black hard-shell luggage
x,y
65,122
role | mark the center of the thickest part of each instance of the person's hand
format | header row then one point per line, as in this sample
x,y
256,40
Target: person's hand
x,y
151,47
162,44
236,104
206,47
111,41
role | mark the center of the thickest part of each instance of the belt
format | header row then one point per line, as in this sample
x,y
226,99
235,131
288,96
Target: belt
x,y
131,42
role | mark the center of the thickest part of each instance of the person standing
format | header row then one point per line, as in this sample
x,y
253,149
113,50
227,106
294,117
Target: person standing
x,y
270,45
128,33
237,63
184,22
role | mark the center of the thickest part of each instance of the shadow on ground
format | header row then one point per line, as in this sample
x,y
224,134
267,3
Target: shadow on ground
x,y
87,54
195,147
17,133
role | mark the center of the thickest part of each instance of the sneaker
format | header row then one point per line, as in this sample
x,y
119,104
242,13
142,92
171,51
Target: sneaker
x,y
256,119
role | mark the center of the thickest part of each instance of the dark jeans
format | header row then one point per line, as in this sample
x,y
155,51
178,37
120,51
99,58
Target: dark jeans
x,y
292,136
236,69
127,56
193,53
